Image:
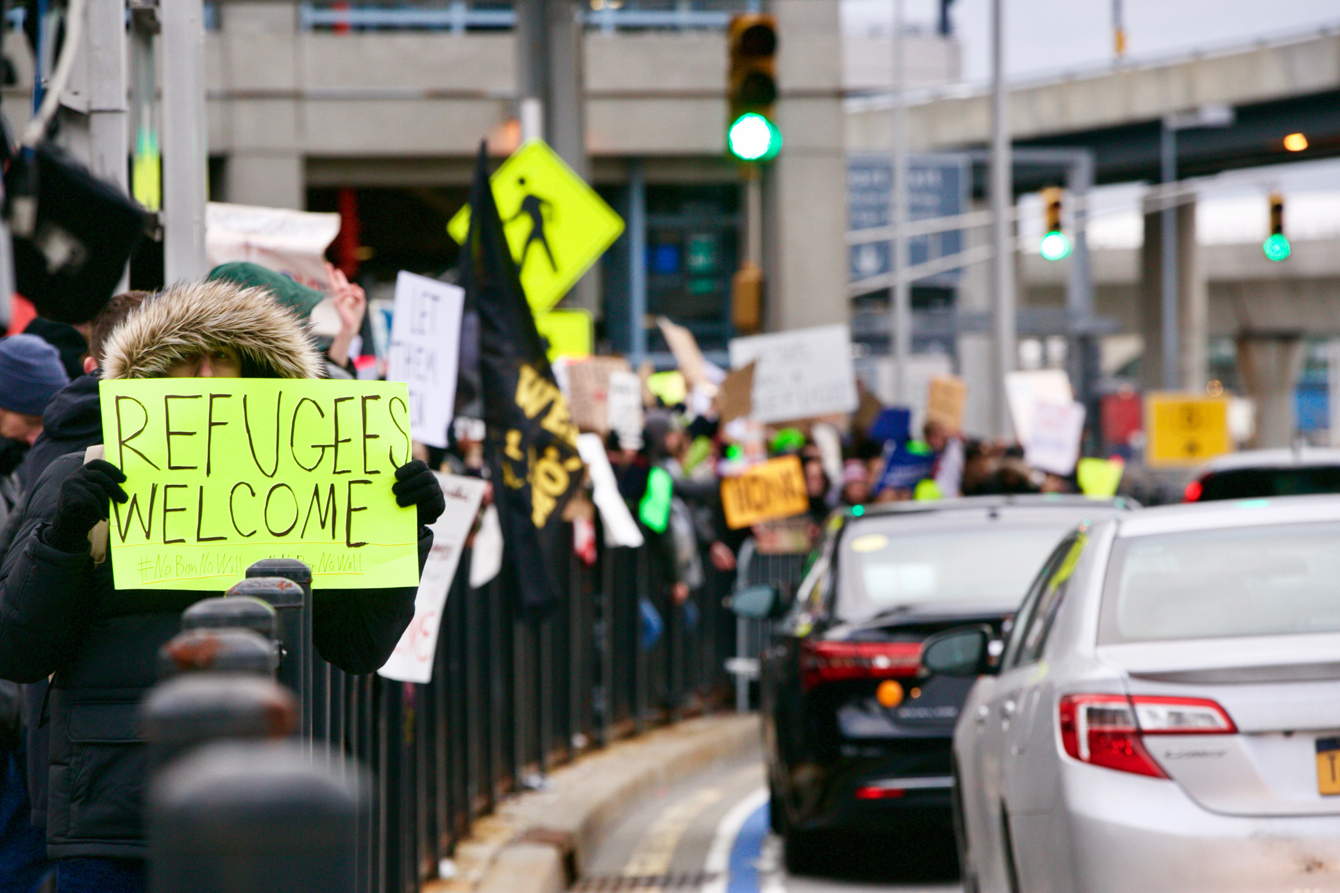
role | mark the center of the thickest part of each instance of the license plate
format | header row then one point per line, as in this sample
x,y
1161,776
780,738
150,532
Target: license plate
x,y
1328,765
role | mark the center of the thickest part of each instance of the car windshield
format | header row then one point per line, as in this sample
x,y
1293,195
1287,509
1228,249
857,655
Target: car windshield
x,y
987,564
1205,584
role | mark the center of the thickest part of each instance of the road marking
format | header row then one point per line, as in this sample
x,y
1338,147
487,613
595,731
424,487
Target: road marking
x,y
653,855
723,841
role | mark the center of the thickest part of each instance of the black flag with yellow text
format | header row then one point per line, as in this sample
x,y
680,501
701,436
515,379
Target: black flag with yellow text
x,y
530,442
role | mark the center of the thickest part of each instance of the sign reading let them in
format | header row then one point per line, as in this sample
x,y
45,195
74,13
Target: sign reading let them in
x,y
555,224
775,489
222,472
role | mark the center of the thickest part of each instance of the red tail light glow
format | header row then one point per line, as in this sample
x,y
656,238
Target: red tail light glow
x,y
836,661
1107,730
1193,491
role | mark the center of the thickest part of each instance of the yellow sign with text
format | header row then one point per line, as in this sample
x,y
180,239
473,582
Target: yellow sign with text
x,y
555,224
1185,429
222,472
775,489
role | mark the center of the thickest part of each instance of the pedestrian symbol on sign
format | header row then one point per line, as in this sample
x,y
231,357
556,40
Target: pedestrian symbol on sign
x,y
537,209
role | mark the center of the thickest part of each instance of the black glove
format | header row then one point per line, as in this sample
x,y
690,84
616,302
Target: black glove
x,y
416,485
83,503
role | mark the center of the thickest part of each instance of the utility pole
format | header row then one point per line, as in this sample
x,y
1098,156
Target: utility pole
x,y
549,40
901,341
1002,224
185,139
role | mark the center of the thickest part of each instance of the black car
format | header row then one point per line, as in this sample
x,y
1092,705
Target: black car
x,y
856,732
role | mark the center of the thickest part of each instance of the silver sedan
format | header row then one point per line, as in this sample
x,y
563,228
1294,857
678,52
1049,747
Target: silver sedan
x,y
1165,715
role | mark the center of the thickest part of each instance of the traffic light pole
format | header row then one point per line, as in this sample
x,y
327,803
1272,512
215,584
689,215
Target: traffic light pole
x,y
1002,206
901,341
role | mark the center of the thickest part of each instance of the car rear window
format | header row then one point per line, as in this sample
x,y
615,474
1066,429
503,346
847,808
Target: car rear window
x,y
981,564
1251,483
1206,584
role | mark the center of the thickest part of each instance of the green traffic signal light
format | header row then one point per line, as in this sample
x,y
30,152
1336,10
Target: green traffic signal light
x,y
1276,247
753,137
1054,246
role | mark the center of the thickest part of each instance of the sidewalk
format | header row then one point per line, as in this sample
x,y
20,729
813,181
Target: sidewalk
x,y
540,841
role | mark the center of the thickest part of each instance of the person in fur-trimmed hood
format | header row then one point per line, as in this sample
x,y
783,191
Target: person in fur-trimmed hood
x,y
60,613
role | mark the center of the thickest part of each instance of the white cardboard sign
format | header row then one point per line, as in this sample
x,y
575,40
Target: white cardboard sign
x,y
425,350
800,374
620,528
623,405
1026,389
1054,441
290,242
412,660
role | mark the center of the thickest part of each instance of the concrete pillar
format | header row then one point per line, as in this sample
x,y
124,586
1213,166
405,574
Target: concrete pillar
x,y
1192,297
805,188
260,48
1270,363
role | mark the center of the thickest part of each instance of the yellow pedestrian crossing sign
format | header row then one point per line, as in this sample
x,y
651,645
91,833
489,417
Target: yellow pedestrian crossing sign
x,y
1185,429
555,224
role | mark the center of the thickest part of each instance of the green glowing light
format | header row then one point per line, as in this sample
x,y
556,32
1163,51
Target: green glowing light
x,y
857,511
754,138
1276,247
1054,246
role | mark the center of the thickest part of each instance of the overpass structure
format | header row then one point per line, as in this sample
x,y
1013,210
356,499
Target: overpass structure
x,y
1118,115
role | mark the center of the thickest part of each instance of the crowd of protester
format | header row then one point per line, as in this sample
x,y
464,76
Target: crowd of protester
x,y
52,606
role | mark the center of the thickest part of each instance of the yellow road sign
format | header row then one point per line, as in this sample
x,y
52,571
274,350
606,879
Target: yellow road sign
x,y
569,332
1185,429
555,224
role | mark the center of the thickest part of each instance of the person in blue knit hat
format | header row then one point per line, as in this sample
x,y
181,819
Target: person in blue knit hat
x,y
31,373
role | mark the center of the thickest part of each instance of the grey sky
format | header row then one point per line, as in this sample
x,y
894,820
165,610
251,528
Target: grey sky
x,y
1047,36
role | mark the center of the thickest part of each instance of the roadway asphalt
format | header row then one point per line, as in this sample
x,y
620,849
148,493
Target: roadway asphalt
x,y
708,833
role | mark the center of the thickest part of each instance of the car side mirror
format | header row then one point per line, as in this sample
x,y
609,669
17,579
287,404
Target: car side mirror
x,y
959,652
758,602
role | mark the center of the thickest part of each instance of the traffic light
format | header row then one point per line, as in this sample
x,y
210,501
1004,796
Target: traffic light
x,y
1276,246
752,135
1055,244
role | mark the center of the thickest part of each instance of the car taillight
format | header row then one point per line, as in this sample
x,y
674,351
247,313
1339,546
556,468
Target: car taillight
x,y
1193,491
834,661
1106,730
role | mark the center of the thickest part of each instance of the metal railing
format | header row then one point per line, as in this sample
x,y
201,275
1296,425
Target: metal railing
x,y
512,694
461,16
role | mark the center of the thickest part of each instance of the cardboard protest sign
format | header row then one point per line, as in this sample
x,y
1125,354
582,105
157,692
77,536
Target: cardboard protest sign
x,y
1099,478
945,397
623,405
290,242
412,660
222,472
1024,390
687,355
735,397
775,489
486,554
620,528
424,351
801,374
588,391
905,466
1054,441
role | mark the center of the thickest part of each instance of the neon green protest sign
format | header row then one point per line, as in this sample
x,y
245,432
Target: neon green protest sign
x,y
222,472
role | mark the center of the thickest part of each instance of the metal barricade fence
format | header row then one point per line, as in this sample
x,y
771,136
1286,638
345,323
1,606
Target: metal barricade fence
x,y
511,696
755,568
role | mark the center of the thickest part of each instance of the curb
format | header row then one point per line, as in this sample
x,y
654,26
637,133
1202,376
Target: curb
x,y
549,836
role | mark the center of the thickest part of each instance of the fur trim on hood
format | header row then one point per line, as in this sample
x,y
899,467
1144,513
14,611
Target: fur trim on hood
x,y
191,317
